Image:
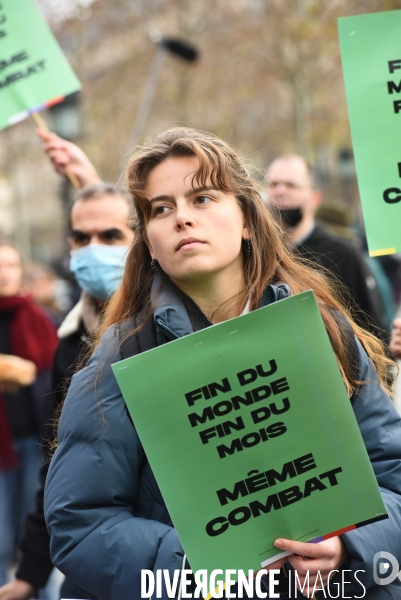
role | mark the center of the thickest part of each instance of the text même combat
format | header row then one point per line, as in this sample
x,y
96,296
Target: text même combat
x,y
255,480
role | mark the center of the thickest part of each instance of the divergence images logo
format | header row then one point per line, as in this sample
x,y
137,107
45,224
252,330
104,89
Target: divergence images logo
x,y
388,566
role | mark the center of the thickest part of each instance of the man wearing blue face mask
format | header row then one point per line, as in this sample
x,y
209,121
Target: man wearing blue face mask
x,y
100,236
98,268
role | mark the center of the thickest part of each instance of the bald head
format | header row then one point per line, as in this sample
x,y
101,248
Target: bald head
x,y
290,169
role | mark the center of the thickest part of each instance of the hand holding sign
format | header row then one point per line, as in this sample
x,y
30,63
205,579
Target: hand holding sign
x,y
68,158
314,571
248,428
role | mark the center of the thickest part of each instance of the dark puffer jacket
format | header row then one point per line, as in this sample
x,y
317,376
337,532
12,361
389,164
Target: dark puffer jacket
x,y
105,512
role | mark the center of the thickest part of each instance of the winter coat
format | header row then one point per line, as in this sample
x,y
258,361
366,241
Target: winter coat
x,y
104,510
35,565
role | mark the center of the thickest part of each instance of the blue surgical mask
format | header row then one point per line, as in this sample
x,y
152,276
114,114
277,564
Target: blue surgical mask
x,y
98,268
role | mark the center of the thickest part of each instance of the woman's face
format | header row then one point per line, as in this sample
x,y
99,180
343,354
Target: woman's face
x,y
194,234
10,271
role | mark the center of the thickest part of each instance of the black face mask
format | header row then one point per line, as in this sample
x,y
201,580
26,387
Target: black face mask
x,y
290,217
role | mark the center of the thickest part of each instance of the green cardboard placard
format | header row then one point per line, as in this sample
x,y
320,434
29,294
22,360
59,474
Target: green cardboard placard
x,y
371,58
34,73
251,435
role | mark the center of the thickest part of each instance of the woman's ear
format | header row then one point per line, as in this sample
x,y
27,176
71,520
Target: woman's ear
x,y
152,254
245,234
146,240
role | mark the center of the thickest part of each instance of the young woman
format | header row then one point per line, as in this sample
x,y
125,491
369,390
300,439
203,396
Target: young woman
x,y
206,249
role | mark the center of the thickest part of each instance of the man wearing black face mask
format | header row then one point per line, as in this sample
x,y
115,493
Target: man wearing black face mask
x,y
294,201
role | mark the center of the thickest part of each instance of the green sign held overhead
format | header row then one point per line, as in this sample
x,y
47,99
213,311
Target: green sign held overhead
x,y
34,73
371,58
251,436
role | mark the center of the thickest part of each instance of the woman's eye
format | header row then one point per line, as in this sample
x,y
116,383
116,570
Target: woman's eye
x,y
160,210
202,200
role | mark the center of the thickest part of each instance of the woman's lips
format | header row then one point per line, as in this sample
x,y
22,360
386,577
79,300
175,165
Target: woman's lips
x,y
188,244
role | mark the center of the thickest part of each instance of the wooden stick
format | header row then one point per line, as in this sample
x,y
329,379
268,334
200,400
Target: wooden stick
x,y
37,117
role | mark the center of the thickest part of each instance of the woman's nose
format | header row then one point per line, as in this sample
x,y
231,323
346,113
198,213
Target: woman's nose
x,y
184,216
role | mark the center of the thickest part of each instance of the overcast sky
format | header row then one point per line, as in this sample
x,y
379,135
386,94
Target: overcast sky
x,y
57,10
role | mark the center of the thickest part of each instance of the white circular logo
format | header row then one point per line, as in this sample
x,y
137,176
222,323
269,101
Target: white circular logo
x,y
383,567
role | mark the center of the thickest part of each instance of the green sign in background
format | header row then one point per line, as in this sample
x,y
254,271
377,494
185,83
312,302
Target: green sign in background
x,y
33,69
368,43
320,421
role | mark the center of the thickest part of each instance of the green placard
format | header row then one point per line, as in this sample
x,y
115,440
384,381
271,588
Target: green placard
x,y
371,58
251,435
34,73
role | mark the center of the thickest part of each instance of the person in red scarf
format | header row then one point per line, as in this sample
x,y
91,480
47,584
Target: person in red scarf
x,y
28,333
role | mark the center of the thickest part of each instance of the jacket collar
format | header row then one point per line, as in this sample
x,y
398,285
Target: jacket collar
x,y
176,315
72,321
86,311
170,315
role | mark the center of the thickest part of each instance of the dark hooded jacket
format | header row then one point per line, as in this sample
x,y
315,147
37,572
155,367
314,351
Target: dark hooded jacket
x,y
343,260
104,510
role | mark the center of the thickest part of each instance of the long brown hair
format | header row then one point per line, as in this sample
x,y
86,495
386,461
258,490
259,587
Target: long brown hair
x,y
269,261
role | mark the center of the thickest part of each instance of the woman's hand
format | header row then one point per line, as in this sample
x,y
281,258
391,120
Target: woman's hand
x,y
324,557
14,372
17,590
